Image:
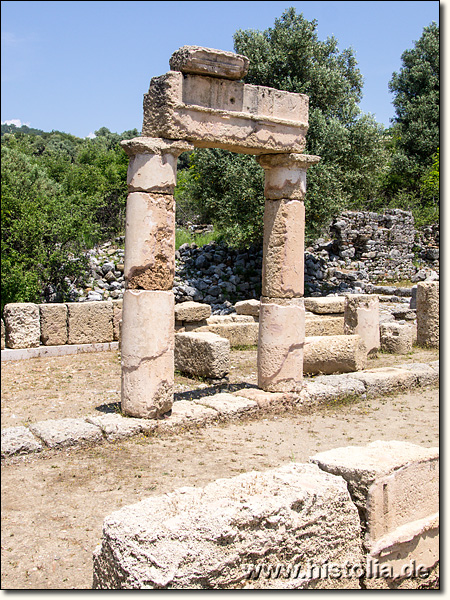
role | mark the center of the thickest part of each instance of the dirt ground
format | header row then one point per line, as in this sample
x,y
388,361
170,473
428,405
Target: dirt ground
x,y
54,502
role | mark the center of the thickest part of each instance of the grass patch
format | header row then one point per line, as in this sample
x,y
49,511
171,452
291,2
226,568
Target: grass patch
x,y
184,236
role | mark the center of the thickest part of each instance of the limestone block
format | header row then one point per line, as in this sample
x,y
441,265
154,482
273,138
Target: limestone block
x,y
62,433
90,322
117,318
207,61
3,334
212,537
229,405
54,331
280,344
392,483
283,249
428,314
362,317
285,175
325,305
424,374
147,353
221,319
323,325
385,380
328,388
334,354
116,427
186,413
192,311
238,334
396,337
266,399
220,113
19,440
202,354
247,307
22,325
150,241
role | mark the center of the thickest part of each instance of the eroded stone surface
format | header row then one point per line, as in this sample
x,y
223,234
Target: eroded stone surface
x,y
316,325
150,241
280,345
22,325
228,405
202,354
90,322
428,314
334,354
207,538
147,356
362,317
54,330
385,380
325,305
396,337
186,413
283,249
247,307
285,175
208,61
238,334
59,433
116,427
327,388
19,440
192,311
219,113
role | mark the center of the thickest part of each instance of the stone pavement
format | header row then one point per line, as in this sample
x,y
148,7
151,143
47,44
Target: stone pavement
x,y
93,429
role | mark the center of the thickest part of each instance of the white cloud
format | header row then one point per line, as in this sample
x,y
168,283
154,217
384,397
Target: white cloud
x,y
16,122
91,135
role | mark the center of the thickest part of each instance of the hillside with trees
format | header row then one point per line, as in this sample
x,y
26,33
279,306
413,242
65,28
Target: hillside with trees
x,y
62,194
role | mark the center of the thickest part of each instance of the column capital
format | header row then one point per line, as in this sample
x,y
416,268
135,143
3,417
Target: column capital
x,y
149,145
285,175
299,161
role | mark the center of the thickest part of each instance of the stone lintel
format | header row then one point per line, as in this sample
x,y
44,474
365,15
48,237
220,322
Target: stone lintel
x,y
153,145
287,159
220,113
208,61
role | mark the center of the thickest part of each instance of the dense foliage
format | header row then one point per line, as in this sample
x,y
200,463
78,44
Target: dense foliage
x,y
60,195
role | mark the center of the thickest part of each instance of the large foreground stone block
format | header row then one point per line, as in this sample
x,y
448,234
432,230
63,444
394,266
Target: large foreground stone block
x,y
393,483
147,353
428,314
54,331
283,249
280,344
150,241
202,354
90,322
22,325
214,537
220,113
334,354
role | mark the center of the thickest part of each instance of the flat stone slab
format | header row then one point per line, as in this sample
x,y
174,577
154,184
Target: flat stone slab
x,y
19,440
333,387
247,307
50,351
187,413
228,405
325,305
208,61
66,432
116,427
266,399
384,380
211,537
425,374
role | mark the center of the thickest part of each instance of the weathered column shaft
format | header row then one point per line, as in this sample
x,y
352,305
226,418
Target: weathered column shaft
x,y
147,345
282,311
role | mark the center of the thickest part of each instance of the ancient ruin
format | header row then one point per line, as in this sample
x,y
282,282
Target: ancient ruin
x,y
202,103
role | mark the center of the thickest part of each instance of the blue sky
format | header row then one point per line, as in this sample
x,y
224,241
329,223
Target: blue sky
x,y
78,66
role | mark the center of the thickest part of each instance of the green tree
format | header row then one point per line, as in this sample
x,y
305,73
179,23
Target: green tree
x,y
289,56
416,100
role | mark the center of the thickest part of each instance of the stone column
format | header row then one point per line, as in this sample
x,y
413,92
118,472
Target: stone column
x,y
282,311
147,344
428,314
